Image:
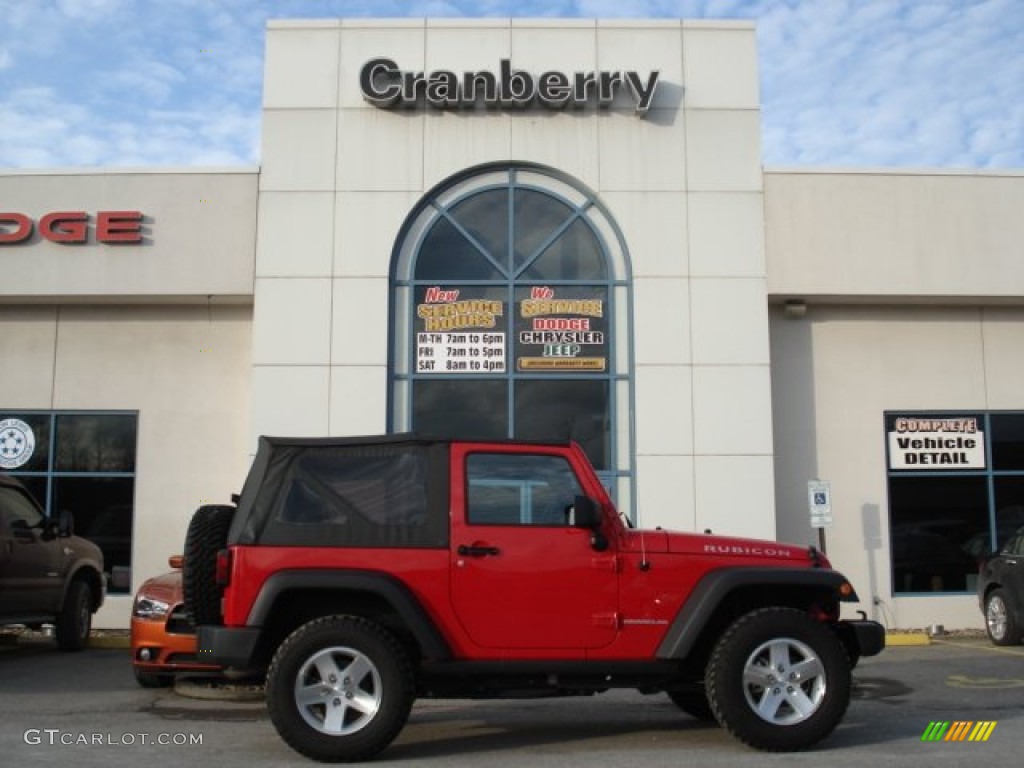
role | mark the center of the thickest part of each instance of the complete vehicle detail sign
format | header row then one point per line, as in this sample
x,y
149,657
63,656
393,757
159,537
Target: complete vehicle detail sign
x,y
936,443
386,85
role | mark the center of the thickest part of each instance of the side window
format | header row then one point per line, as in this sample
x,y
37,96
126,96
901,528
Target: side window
x,y
511,489
341,489
18,512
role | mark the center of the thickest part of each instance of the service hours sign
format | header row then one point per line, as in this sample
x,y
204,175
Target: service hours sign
x,y
459,330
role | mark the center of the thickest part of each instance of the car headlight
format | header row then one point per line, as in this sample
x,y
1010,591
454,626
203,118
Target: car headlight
x,y
148,608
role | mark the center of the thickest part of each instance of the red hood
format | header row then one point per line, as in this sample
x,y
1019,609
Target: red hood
x,y
724,547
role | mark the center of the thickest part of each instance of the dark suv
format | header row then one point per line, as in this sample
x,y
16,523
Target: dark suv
x,y
1001,592
47,575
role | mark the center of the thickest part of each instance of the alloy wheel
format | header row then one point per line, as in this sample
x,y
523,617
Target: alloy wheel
x,y
338,691
784,681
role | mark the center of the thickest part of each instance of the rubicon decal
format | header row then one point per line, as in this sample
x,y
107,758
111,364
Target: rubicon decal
x,y
72,227
755,551
384,85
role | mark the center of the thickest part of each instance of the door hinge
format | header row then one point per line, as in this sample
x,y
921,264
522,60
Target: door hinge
x,y
606,563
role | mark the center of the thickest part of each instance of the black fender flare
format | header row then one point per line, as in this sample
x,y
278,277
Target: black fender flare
x,y
714,588
89,571
382,585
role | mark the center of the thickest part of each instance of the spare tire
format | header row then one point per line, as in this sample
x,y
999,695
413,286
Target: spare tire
x,y
207,535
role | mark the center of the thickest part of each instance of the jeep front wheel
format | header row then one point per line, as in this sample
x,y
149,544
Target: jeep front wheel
x,y
778,680
339,689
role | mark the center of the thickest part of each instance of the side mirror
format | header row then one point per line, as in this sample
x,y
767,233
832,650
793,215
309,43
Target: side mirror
x,y
49,529
65,523
584,513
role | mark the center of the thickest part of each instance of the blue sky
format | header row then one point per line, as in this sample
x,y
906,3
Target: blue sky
x,y
844,83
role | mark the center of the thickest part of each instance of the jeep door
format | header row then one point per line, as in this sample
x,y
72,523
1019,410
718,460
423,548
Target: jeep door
x,y
521,577
30,580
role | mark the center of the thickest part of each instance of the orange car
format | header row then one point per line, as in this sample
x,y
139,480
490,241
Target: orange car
x,y
163,636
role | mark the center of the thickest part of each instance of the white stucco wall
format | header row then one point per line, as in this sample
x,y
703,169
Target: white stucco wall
x,y
924,236
185,369
162,327
199,231
913,286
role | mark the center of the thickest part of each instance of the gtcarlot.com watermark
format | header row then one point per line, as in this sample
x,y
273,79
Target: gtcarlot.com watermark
x,y
55,737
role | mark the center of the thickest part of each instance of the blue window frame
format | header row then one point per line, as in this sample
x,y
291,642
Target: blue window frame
x,y
511,317
956,491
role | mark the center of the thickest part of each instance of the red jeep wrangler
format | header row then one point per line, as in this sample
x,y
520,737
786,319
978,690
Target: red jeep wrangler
x,y
361,573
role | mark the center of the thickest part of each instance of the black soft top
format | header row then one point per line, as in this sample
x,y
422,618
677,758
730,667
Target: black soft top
x,y
374,491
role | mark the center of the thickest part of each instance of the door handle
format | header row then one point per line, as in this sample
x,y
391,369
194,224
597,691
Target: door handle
x,y
475,551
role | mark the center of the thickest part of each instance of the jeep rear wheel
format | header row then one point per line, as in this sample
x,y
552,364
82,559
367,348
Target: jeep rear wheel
x,y
778,680
339,689
207,535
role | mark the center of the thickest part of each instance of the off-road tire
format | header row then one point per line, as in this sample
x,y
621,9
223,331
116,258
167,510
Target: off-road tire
x,y
1000,624
74,622
339,689
801,696
207,534
693,703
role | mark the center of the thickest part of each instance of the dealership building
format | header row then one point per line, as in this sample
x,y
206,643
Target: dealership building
x,y
541,230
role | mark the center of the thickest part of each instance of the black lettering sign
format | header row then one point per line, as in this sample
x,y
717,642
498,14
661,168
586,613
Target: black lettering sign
x,y
386,85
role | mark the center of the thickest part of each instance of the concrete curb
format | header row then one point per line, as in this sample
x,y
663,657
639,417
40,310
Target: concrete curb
x,y
218,689
121,642
118,641
894,639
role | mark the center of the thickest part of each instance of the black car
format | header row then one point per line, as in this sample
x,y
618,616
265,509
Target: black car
x,y
1001,591
47,575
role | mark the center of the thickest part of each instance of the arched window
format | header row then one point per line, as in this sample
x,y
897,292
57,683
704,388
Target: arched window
x,y
510,295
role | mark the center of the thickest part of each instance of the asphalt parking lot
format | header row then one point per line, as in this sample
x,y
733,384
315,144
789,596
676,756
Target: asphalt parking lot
x,y
86,710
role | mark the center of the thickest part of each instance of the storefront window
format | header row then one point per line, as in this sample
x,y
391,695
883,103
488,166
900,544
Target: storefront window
x,y
82,462
956,491
510,292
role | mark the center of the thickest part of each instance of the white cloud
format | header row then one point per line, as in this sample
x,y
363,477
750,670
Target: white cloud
x,y
844,82
90,9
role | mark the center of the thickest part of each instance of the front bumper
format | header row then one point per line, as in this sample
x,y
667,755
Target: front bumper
x,y
862,636
227,646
